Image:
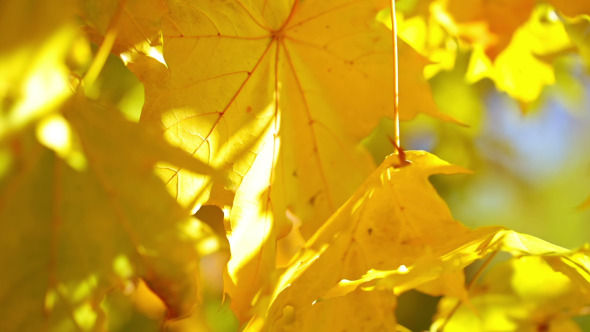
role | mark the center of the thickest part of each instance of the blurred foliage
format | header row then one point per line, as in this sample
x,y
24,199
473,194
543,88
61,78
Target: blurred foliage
x,y
91,94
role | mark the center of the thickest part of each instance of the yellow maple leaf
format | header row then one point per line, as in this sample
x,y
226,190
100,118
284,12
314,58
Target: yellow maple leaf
x,y
393,219
295,67
304,80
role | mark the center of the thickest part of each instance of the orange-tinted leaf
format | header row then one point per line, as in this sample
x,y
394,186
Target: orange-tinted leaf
x,y
489,24
571,8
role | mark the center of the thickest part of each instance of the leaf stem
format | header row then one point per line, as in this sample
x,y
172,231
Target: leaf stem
x,y
396,135
105,47
468,287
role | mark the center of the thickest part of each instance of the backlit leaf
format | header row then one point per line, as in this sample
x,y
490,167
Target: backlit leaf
x,y
394,219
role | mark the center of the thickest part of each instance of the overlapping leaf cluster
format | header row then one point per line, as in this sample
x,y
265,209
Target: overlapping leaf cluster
x,y
259,108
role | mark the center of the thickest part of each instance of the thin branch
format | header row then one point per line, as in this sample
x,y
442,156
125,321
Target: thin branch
x,y
105,47
469,285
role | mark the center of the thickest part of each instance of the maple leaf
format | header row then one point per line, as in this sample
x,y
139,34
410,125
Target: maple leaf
x,y
69,235
393,219
306,62
304,80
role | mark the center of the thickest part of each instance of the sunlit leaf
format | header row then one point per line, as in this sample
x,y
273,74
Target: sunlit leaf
x,y
394,219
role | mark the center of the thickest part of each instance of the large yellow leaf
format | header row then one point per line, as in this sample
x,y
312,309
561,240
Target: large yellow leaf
x,y
237,69
303,81
318,72
394,219
69,235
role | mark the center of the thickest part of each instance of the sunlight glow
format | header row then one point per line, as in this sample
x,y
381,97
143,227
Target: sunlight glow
x,y
55,133
85,287
122,266
156,53
126,57
552,16
35,79
208,246
358,204
50,299
226,210
144,49
193,228
256,220
85,316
